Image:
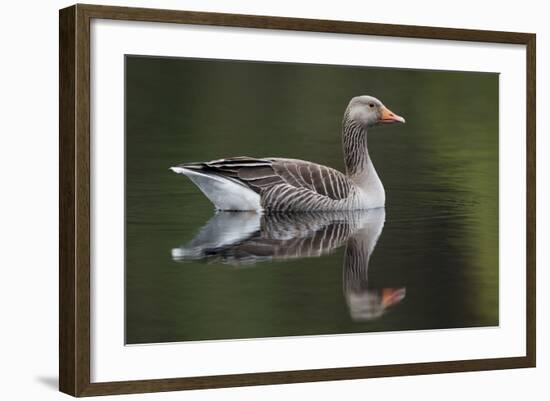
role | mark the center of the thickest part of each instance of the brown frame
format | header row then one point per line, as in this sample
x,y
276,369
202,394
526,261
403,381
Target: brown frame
x,y
74,199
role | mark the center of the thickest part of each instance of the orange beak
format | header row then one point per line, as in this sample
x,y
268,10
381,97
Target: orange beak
x,y
392,296
389,117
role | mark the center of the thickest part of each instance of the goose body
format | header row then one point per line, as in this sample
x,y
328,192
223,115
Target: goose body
x,y
277,184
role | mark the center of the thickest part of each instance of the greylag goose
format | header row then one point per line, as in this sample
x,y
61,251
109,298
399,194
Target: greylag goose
x,y
276,184
249,238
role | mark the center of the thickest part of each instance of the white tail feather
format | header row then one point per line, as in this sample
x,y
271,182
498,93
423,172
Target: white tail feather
x,y
224,193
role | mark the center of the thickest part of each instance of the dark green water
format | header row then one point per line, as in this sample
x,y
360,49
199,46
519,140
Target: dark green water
x,y
438,249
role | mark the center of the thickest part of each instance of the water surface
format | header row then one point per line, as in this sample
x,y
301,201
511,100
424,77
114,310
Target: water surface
x,y
194,275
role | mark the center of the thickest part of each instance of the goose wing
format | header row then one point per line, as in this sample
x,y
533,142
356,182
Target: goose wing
x,y
262,174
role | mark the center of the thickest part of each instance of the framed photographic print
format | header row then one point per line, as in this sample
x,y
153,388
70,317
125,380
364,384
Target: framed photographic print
x,y
252,200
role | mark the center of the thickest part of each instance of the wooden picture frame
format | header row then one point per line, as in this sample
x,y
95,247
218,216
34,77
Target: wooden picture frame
x,y
74,204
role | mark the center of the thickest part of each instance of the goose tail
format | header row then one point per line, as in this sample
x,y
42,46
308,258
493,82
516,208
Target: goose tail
x,y
224,192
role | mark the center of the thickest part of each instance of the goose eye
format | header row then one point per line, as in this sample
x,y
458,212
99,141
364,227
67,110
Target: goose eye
x,y
371,105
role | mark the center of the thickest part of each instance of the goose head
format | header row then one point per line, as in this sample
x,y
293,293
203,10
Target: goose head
x,y
368,111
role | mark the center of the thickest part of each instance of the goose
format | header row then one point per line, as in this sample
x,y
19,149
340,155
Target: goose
x,y
246,239
289,185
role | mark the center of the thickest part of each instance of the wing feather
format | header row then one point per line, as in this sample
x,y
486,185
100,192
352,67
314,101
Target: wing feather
x,y
263,174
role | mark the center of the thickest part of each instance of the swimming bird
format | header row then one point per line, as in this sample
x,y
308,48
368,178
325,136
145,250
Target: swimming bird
x,y
288,185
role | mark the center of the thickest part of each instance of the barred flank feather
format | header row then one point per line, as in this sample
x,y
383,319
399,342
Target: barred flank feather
x,y
284,184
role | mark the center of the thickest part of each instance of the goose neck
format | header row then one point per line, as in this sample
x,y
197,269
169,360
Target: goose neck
x,y
356,154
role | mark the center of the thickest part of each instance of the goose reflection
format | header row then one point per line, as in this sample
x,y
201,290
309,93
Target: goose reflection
x,y
242,238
